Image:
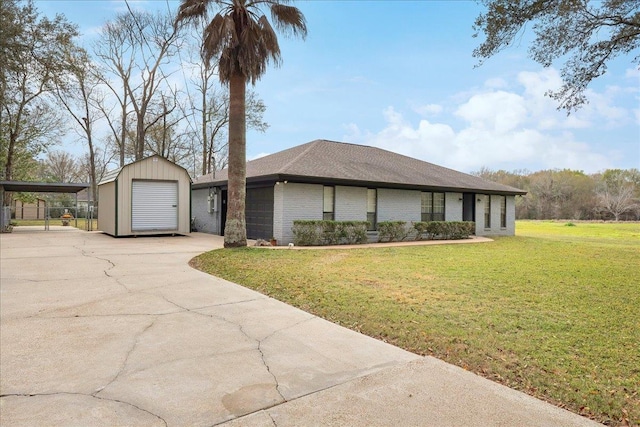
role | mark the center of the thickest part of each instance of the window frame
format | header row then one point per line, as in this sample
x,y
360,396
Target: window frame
x,y
372,215
487,211
328,215
503,211
428,211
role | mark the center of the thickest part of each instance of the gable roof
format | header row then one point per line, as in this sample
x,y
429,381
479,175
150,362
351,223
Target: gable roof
x,y
331,162
112,175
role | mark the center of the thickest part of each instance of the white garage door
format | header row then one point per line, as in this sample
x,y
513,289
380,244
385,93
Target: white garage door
x,y
154,206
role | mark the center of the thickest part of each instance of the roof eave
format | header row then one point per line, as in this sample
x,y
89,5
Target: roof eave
x,y
304,179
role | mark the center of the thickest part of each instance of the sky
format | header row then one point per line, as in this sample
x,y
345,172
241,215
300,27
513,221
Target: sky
x,y
400,75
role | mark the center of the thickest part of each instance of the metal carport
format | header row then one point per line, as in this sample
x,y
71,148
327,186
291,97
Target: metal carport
x,y
37,187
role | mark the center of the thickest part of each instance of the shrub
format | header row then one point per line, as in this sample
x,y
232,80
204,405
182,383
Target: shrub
x,y
391,231
444,230
353,232
319,232
307,233
421,229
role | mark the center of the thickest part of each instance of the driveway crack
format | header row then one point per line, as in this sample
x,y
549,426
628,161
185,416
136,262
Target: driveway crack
x,y
126,358
241,329
87,395
106,272
264,362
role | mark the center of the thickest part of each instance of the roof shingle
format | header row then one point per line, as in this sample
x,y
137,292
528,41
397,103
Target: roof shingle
x,y
330,161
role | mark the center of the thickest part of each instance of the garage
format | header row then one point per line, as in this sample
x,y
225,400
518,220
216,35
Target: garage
x,y
154,205
150,196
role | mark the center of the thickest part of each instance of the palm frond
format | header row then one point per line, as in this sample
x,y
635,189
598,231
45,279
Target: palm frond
x,y
289,20
191,9
219,35
240,36
269,40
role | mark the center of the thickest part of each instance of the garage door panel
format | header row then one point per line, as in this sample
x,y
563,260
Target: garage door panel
x,y
259,213
154,206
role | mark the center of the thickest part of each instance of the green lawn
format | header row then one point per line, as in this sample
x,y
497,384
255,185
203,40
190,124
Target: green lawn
x,y
554,311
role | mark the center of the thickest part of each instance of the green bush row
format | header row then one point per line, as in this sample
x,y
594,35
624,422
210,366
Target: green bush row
x,y
319,232
392,231
397,231
444,230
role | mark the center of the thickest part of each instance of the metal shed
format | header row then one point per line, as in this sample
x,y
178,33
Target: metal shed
x,y
150,196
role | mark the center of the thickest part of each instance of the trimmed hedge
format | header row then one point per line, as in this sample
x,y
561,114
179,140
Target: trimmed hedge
x,y
319,232
444,230
392,231
397,231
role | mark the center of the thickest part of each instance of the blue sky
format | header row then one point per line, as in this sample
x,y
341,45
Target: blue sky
x,y
400,75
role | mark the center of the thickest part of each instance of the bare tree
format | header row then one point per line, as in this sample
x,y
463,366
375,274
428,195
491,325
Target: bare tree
x,y
101,160
617,192
211,108
116,57
135,48
60,166
166,139
79,93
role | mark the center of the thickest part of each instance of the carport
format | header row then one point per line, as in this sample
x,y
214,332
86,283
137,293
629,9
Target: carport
x,y
38,187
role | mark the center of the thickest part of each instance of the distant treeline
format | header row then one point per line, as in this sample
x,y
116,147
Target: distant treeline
x,y
568,194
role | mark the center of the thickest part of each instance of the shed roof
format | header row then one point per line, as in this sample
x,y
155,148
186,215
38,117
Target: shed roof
x,y
323,161
112,175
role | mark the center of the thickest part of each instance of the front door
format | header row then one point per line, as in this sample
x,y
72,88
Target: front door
x,y
469,207
223,211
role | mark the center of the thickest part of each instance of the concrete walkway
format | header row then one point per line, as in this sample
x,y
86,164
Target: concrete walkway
x,y
98,331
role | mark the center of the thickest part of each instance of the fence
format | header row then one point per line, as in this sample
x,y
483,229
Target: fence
x,y
51,215
5,219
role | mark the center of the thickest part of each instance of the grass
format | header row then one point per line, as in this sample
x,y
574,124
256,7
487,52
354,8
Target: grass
x,y
82,222
553,311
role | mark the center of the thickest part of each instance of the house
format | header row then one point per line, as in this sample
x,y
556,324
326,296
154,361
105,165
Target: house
x,y
35,210
150,196
340,181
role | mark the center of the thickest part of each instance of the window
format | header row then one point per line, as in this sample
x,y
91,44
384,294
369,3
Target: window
x,y
432,206
372,203
503,211
328,213
487,211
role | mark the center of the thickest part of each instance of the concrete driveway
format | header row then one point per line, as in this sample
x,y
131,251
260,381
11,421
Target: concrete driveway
x,y
98,331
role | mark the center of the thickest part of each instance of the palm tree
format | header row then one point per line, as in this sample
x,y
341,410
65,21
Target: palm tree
x,y
243,42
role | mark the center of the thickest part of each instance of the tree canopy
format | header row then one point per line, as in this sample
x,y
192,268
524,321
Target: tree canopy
x,y
585,34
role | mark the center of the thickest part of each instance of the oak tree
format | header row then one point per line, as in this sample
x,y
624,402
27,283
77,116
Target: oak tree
x,y
585,34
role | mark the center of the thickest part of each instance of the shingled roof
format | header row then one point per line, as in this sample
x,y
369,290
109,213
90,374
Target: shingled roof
x,y
340,163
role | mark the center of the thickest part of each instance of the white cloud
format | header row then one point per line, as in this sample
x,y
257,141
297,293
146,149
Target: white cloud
x,y
501,111
500,130
632,73
428,110
496,83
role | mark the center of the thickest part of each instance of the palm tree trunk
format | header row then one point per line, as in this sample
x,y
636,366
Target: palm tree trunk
x,y
235,231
